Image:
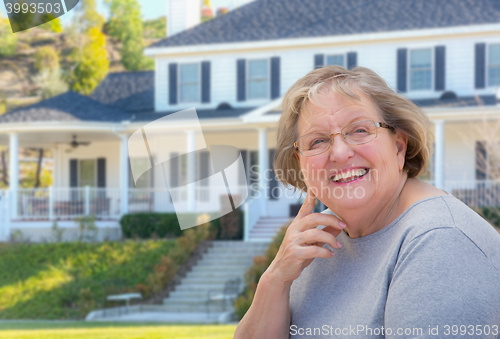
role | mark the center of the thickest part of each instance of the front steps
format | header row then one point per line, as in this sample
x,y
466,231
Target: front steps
x,y
266,228
223,261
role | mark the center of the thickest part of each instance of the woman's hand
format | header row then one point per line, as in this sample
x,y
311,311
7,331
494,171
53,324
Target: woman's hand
x,y
303,241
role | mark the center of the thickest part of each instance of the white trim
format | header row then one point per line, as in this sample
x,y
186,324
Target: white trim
x,y
253,116
454,31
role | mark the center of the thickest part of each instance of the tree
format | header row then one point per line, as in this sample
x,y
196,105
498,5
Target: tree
x,y
90,58
46,57
50,82
93,63
125,25
8,40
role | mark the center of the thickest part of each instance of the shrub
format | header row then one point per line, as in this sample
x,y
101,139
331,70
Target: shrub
x,y
143,225
46,58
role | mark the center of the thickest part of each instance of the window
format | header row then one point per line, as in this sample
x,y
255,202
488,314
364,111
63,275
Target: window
x,y
336,59
87,174
494,65
421,69
146,179
258,79
189,83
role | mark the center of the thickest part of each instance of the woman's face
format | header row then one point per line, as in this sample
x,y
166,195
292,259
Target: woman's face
x,y
373,168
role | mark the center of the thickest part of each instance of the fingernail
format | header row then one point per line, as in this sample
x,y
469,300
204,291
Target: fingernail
x,y
339,244
332,252
342,224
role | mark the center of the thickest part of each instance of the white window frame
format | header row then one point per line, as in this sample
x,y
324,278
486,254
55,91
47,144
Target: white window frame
x,y
343,54
179,82
487,57
409,70
268,60
79,171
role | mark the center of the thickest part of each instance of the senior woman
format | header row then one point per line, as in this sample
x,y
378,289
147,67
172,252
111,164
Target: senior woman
x,y
392,256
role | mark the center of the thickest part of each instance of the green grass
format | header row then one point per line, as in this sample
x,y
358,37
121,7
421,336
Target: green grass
x,y
44,281
84,330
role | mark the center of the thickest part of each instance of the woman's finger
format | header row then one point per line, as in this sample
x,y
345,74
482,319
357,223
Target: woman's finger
x,y
319,219
315,235
308,205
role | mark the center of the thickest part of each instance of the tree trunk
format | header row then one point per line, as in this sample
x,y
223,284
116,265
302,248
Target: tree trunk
x,y
39,167
4,169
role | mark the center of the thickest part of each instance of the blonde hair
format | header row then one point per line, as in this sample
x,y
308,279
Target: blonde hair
x,y
394,109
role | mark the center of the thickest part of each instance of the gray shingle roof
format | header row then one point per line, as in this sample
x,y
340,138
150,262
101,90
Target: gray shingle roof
x,y
283,19
69,106
129,91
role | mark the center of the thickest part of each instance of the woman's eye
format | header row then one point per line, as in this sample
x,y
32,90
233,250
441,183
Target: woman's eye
x,y
360,130
317,142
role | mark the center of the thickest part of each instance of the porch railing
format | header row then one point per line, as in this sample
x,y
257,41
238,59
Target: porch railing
x,y
478,193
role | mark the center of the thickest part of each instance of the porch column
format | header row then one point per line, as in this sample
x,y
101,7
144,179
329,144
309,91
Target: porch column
x,y
124,174
263,169
13,172
191,170
439,154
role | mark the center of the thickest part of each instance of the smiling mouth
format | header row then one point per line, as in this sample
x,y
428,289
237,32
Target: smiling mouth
x,y
350,175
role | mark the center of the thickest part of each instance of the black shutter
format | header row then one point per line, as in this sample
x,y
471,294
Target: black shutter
x,y
352,60
401,69
481,161
174,176
275,77
480,65
241,79
205,82
172,84
242,180
101,172
73,173
440,71
319,60
273,182
73,178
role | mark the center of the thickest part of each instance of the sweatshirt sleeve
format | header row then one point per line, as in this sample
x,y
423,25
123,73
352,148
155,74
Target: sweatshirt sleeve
x,y
443,286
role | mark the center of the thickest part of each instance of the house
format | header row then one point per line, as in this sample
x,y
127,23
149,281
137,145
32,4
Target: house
x,y
234,69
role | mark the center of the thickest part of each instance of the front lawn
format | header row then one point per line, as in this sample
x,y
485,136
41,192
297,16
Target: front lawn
x,y
93,330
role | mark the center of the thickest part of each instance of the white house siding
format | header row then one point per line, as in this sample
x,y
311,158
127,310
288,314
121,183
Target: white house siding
x,y
377,55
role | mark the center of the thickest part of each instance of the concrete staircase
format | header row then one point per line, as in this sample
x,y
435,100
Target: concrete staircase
x,y
267,227
223,261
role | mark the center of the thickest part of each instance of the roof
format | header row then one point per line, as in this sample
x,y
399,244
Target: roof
x,y
284,19
69,106
129,91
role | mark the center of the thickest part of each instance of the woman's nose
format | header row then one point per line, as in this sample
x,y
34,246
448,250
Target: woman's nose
x,y
340,150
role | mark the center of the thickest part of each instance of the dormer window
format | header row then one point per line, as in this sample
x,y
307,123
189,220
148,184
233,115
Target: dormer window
x,y
420,69
189,83
494,65
258,79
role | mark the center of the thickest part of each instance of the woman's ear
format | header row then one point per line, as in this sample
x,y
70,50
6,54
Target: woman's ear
x,y
401,145
296,156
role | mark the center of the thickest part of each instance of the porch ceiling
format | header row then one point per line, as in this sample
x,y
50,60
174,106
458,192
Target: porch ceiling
x,y
52,138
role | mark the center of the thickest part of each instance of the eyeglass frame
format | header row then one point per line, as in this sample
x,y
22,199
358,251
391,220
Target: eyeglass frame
x,y
377,125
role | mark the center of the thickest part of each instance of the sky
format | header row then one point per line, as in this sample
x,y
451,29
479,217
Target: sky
x,y
150,9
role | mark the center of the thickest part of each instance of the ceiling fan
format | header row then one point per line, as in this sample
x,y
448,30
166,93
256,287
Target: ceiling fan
x,y
74,144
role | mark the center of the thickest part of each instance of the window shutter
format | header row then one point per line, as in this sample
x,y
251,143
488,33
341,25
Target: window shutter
x,y
242,180
205,82
440,71
319,60
73,173
352,60
401,69
481,161
275,77
480,65
241,79
273,195
101,172
172,84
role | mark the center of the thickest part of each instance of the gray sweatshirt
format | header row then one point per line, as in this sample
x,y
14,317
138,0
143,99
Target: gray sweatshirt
x,y
434,272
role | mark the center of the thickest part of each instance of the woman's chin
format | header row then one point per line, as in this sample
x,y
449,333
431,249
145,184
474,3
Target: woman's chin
x,y
344,197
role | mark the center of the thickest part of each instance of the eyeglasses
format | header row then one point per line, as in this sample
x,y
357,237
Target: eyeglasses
x,y
358,133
